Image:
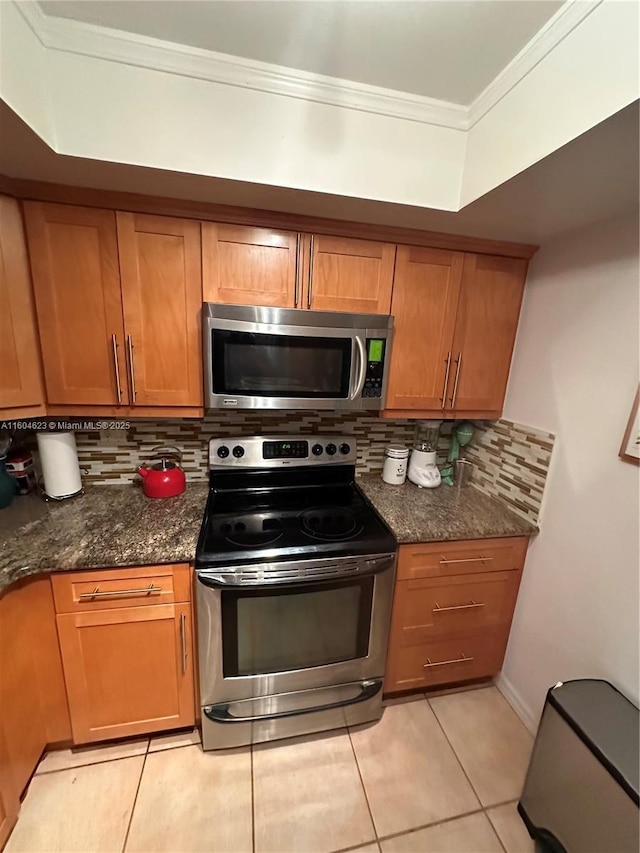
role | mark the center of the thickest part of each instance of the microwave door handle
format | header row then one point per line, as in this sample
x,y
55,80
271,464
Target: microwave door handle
x,y
357,391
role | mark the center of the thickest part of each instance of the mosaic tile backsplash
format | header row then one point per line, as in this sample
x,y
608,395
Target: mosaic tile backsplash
x,y
112,456
511,461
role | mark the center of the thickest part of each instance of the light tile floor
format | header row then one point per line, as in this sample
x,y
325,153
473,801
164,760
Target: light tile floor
x,y
437,775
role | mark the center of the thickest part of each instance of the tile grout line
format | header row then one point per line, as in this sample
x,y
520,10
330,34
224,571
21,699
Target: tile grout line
x,y
495,831
89,763
364,788
429,825
135,799
453,749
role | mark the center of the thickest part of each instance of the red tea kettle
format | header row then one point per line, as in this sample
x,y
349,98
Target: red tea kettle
x,y
165,478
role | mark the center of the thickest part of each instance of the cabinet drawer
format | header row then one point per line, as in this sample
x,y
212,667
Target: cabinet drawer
x,y
108,588
445,661
439,559
432,608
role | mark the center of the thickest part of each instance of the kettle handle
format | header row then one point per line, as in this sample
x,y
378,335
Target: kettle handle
x,y
167,450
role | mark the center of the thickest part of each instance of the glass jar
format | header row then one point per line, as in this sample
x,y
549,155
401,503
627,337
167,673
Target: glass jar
x,y
427,435
395,464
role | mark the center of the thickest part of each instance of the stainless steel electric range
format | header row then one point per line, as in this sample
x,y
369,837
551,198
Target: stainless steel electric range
x,y
294,575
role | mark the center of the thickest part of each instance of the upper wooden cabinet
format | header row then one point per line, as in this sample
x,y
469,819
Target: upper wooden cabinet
x,y
456,317
486,325
21,391
118,298
162,299
74,259
425,298
349,275
250,266
260,266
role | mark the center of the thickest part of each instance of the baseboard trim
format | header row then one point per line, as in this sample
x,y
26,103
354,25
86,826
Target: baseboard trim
x,y
515,700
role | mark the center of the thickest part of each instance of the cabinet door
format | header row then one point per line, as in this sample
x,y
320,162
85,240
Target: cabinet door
x,y
425,297
162,300
9,796
20,378
250,266
22,718
350,275
486,325
129,671
74,261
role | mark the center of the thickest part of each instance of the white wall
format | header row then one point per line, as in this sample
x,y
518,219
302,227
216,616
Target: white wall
x,y
591,74
575,373
107,96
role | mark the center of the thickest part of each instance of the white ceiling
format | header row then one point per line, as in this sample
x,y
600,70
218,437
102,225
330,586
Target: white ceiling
x,y
444,49
592,178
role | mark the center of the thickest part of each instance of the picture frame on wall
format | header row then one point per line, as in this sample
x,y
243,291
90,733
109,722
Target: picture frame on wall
x,y
630,447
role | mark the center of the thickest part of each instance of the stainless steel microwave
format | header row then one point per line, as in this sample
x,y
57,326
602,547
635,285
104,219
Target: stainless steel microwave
x,y
283,358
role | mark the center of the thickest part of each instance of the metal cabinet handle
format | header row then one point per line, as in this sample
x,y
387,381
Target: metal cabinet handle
x,y
296,292
131,370
362,369
455,384
446,380
183,640
444,562
310,272
148,590
462,659
114,344
438,609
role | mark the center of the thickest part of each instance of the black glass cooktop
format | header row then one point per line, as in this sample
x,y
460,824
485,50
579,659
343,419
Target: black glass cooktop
x,y
273,517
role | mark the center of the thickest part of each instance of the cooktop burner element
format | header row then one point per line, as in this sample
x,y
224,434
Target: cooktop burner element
x,y
330,523
281,499
252,531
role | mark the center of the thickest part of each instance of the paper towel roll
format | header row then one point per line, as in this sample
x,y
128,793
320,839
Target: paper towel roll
x,y
59,462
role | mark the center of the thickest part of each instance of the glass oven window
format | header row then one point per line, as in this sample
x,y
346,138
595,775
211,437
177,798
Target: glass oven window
x,y
247,364
295,627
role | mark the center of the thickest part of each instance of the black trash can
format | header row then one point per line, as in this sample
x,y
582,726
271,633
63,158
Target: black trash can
x,y
581,790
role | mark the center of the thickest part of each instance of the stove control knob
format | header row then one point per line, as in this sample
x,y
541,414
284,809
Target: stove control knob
x,y
331,449
345,448
316,449
223,451
238,451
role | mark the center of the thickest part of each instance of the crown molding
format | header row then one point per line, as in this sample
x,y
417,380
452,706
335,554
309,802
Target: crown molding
x,y
566,19
155,54
158,55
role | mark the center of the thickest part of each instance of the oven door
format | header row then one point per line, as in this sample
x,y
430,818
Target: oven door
x,y
255,365
257,641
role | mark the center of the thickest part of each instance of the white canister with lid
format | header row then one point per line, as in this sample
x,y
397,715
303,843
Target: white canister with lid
x,y
394,471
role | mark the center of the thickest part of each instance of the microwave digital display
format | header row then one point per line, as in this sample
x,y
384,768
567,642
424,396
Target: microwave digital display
x,y
375,349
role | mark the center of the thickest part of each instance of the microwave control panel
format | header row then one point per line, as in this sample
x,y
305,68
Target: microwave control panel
x,y
375,367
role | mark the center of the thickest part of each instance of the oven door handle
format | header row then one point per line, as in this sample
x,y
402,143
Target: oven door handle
x,y
220,713
372,566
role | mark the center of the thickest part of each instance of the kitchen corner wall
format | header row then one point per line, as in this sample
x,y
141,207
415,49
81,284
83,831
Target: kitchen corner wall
x,y
575,372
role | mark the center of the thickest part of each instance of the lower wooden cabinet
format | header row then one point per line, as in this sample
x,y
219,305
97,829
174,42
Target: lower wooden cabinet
x,y
128,666
446,627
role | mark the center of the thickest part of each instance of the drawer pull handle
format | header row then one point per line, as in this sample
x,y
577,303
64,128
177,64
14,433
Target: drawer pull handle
x,y
462,659
148,590
472,604
183,641
444,562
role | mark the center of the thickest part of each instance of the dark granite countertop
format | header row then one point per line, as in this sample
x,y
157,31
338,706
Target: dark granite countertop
x,y
444,513
119,526
107,526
